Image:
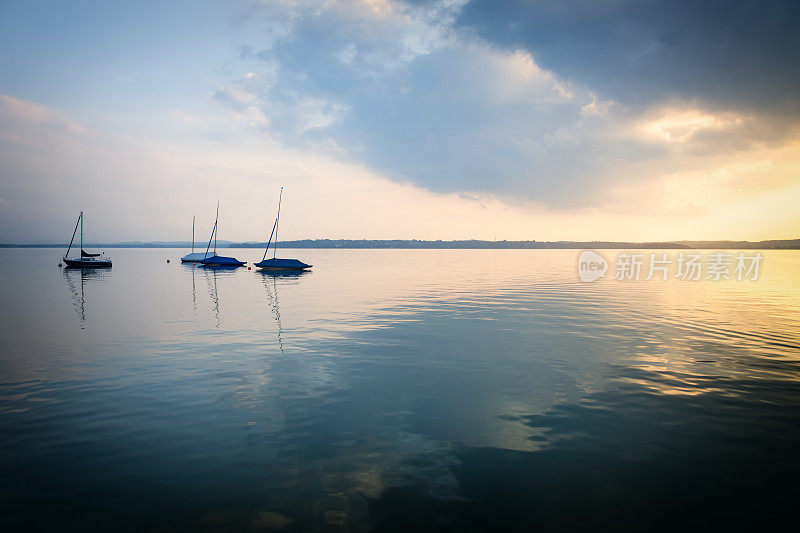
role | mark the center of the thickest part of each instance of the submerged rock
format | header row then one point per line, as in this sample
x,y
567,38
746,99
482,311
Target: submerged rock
x,y
336,518
338,501
270,520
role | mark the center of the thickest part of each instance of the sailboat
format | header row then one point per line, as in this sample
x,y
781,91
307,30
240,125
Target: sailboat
x,y
86,260
218,260
193,257
274,263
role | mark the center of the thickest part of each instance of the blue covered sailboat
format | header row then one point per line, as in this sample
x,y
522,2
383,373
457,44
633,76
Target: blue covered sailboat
x,y
86,260
218,260
193,257
276,263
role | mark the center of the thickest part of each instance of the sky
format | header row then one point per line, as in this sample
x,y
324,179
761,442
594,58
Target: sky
x,y
631,120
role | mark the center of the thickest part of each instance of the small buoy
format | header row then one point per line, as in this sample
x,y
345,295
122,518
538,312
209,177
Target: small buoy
x,y
248,268
194,264
167,260
59,264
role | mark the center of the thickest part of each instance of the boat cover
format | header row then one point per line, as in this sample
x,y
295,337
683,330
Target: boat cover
x,y
287,264
87,254
194,257
221,261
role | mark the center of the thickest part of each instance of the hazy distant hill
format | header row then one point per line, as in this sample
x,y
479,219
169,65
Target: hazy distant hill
x,y
468,244
476,244
127,244
789,244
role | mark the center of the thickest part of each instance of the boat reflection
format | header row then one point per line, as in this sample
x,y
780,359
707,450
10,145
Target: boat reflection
x,y
284,273
77,278
213,275
211,278
272,293
188,265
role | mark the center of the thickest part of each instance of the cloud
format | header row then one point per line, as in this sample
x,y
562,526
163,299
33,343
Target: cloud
x,y
314,53
51,167
684,125
722,53
125,78
424,93
502,119
394,86
26,125
281,111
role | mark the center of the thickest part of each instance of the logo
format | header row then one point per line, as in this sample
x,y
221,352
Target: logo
x,y
591,266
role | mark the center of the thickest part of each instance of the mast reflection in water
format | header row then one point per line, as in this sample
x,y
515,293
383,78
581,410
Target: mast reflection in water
x,y
77,279
271,278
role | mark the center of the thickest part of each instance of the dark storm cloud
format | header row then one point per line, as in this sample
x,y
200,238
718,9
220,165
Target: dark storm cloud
x,y
725,53
562,103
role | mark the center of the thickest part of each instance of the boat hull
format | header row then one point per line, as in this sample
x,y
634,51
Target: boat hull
x,y
282,264
87,263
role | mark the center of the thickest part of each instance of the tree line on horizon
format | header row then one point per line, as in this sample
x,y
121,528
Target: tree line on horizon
x,y
788,244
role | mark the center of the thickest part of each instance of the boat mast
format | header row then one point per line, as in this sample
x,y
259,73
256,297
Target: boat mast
x,y
81,234
213,233
209,240
270,239
277,220
73,235
193,233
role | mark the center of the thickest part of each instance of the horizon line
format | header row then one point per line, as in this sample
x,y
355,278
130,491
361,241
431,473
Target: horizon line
x,y
446,244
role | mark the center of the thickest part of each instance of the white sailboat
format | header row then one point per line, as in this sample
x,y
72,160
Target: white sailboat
x,y
193,257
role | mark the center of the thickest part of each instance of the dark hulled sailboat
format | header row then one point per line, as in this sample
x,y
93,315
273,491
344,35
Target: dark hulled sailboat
x,y
276,263
218,260
86,260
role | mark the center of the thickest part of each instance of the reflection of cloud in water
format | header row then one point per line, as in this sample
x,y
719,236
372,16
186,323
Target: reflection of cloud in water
x,y
609,461
615,458
455,399
512,407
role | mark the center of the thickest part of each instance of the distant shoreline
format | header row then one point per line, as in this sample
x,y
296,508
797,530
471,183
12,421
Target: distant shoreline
x,y
786,244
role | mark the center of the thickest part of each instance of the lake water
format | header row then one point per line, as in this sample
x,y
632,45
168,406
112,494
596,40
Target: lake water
x,y
395,390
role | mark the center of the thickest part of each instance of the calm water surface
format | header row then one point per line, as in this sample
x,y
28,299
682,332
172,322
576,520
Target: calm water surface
x,y
394,390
